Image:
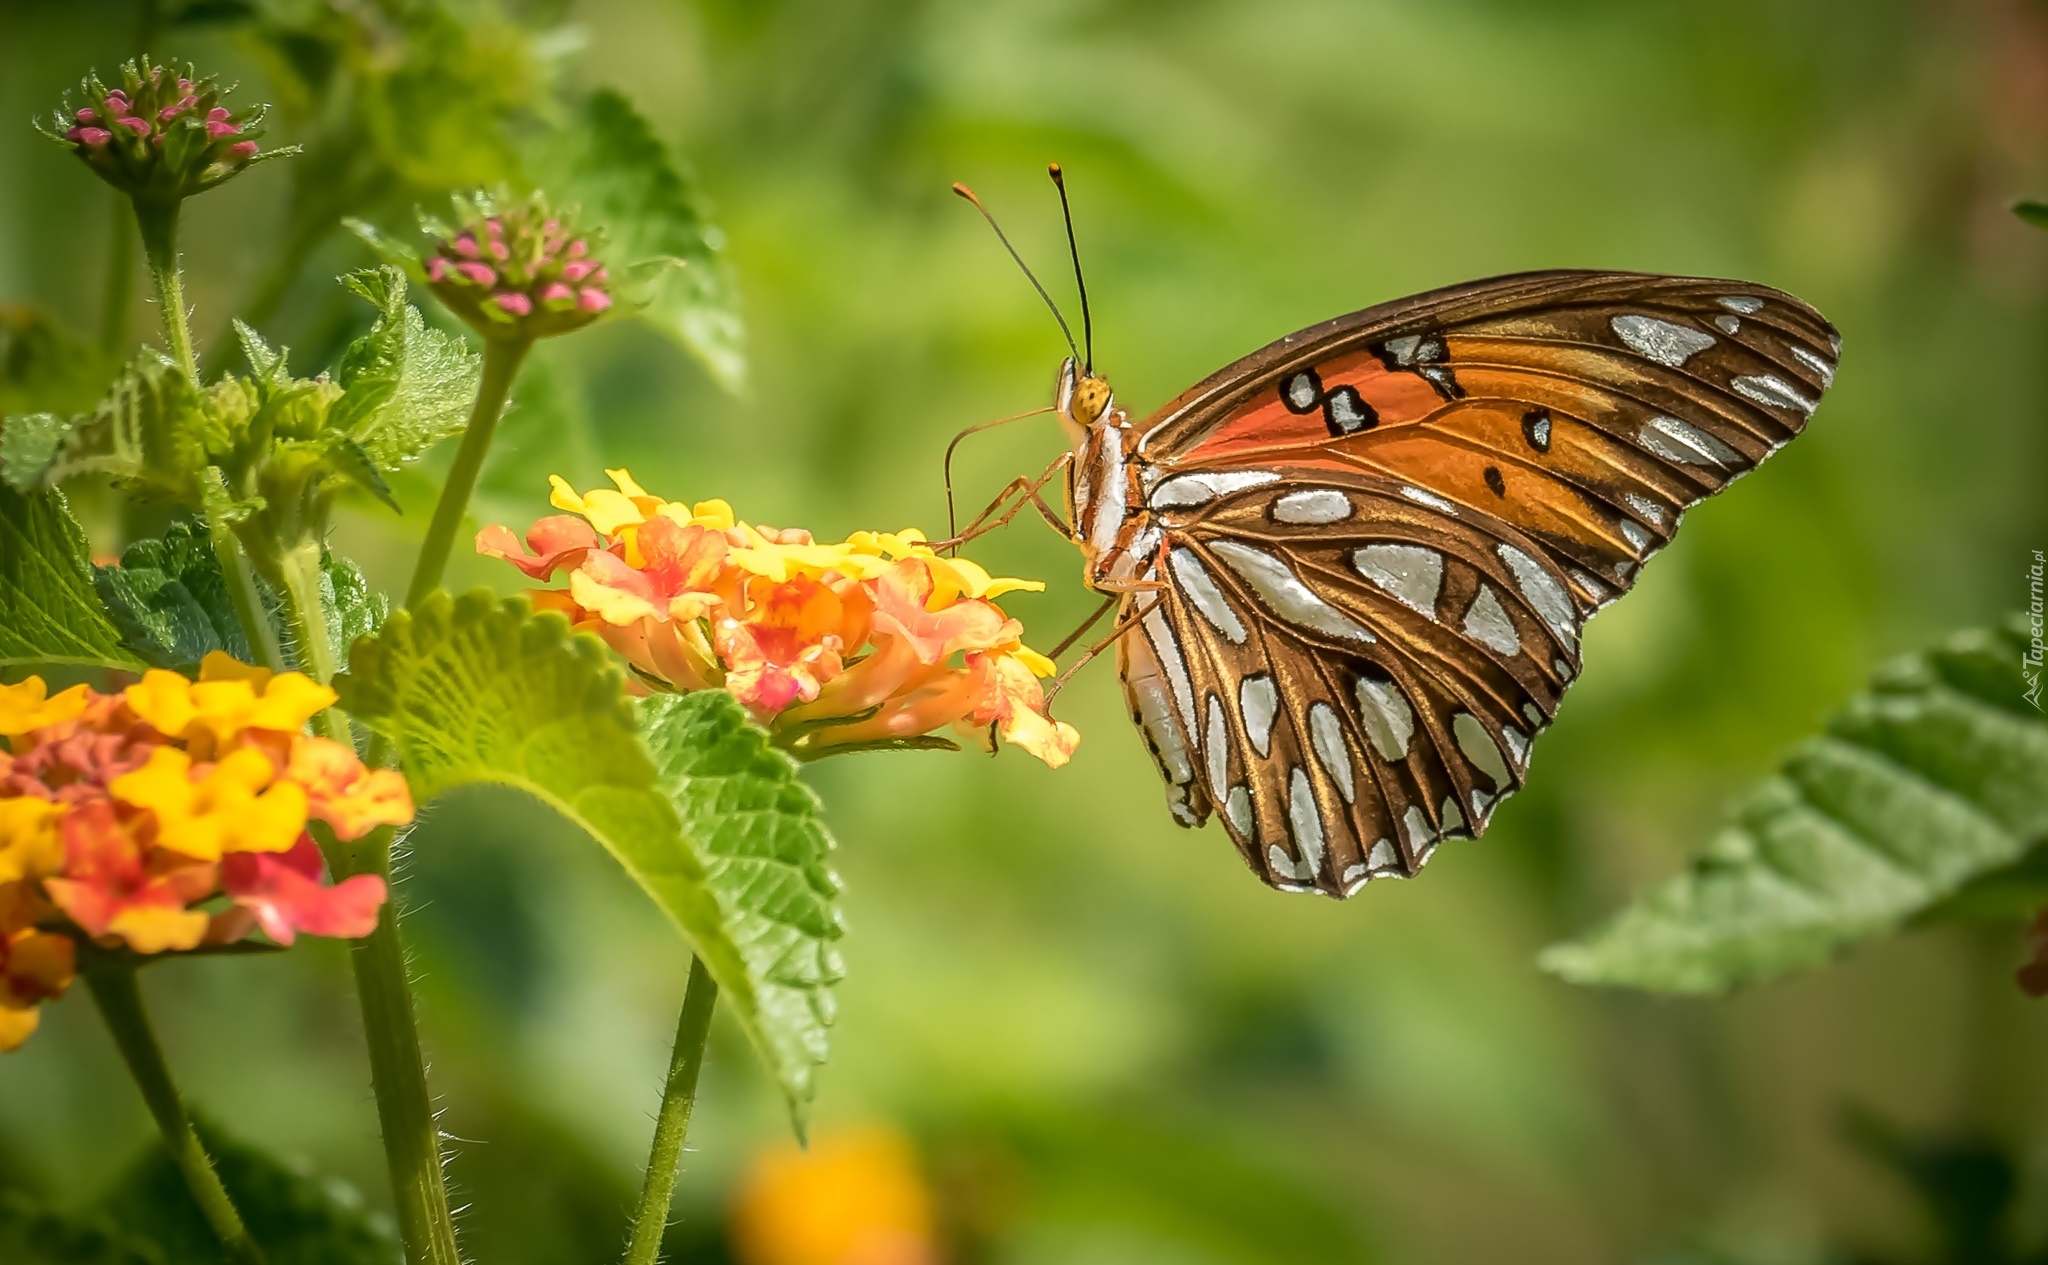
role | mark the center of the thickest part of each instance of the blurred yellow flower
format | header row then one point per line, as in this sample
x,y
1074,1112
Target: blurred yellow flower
x,y
855,1198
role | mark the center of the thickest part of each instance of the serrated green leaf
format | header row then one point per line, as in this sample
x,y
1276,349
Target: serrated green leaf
x,y
31,1234
295,1215
405,387
1935,777
151,431
658,234
758,830
478,690
171,604
49,613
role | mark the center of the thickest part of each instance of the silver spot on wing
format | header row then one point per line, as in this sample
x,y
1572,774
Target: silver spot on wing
x,y
1544,594
1283,591
1200,587
1645,506
1287,867
1679,441
1257,704
1409,574
1389,720
1487,622
1821,368
1729,325
1450,816
1748,305
1216,744
1430,499
1383,857
1185,491
1772,391
1326,733
1637,536
1312,506
1479,748
1238,808
1305,820
1661,341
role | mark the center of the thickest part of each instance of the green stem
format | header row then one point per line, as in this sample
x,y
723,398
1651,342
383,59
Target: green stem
x,y
502,358
239,576
159,224
398,1069
120,1004
678,1096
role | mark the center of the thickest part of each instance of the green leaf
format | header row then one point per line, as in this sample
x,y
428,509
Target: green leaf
x,y
405,387
298,1218
2035,213
49,613
477,690
659,236
1935,777
31,1234
151,431
171,604
758,830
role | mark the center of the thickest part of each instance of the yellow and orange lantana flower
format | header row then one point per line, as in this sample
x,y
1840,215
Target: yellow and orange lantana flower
x,y
868,641
172,815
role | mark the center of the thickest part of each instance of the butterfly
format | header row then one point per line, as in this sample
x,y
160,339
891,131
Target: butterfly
x,y
1352,568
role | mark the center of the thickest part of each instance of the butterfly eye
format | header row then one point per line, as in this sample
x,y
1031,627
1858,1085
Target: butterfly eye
x,y
1091,397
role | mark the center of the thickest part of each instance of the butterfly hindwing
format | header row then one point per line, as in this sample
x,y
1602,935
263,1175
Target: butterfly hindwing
x,y
1363,672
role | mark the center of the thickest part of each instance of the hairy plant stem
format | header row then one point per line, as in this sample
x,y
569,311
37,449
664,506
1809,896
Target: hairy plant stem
x,y
158,222
120,1004
502,358
398,1067
672,1124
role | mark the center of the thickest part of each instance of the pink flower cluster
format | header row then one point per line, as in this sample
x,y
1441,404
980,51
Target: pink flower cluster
x,y
160,133
522,269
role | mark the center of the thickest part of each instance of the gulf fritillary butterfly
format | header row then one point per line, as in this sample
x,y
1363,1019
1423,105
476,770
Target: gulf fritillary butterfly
x,y
1353,566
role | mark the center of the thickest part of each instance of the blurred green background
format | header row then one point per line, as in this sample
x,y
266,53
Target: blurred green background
x,y
1109,1043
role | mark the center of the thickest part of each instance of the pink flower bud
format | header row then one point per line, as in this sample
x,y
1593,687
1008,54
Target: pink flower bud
x,y
437,268
117,99
242,149
480,274
138,126
170,112
551,228
578,249
499,250
184,87
593,300
89,135
87,115
557,293
465,246
578,269
216,131
494,226
217,114
512,303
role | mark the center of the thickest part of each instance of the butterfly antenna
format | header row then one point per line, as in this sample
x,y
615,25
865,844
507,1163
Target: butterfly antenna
x,y
968,193
1087,323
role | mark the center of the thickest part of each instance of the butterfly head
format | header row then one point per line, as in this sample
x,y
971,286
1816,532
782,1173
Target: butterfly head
x,y
1083,399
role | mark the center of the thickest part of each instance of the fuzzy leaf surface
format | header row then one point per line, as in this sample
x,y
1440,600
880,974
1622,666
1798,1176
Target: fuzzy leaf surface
x,y
405,387
49,612
150,431
1930,780
481,690
761,836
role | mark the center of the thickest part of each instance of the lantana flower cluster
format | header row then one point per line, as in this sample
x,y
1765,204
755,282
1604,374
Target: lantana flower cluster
x,y
171,816
523,268
873,641
160,134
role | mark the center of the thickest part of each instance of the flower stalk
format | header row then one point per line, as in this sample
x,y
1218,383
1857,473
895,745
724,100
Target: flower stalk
x,y
120,1004
502,359
672,1124
158,222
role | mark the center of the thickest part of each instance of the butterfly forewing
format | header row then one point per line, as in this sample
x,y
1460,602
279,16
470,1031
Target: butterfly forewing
x,y
1379,538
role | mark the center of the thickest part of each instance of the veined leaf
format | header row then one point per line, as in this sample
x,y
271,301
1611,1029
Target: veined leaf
x,y
659,236
757,828
171,604
478,690
1935,777
405,387
151,430
49,613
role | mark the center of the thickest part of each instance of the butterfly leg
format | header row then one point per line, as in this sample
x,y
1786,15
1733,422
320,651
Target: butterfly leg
x,y
1123,626
1025,490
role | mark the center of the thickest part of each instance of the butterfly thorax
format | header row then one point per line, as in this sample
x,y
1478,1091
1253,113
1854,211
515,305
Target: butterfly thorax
x,y
1105,484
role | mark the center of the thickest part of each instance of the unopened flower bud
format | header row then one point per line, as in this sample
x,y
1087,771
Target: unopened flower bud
x,y
160,135
516,271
